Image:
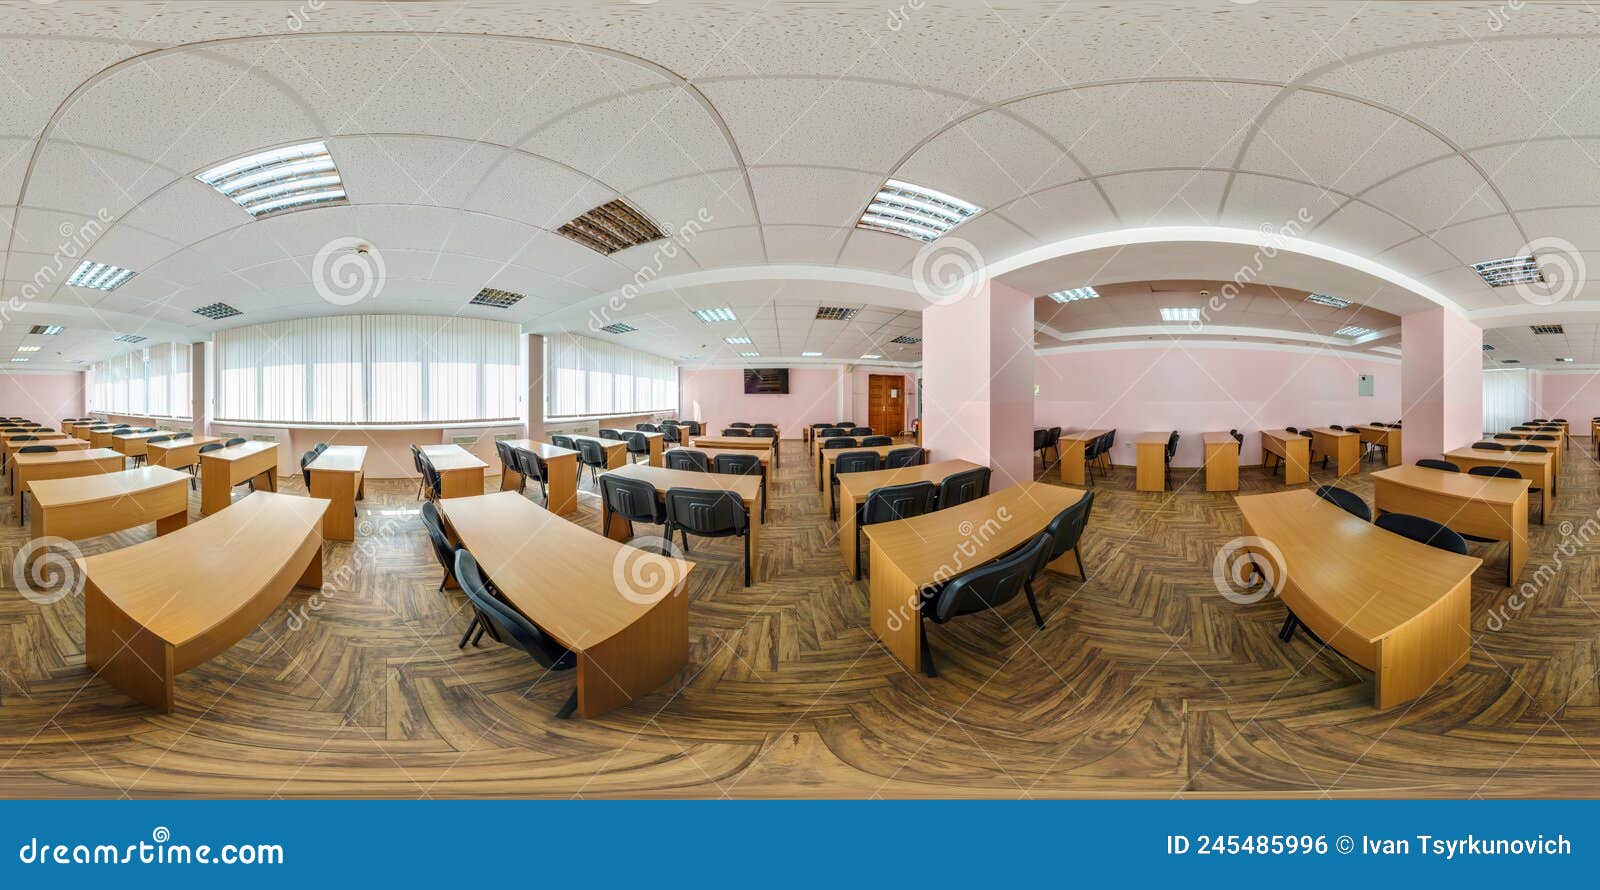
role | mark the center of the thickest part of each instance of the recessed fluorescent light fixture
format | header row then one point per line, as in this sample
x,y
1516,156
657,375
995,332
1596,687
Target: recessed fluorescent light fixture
x,y
279,180
217,311
1511,270
751,354
736,341
130,338
1073,295
1351,330
689,358
1564,359
1488,348
613,226
914,211
18,359
495,298
1180,313
29,348
835,313
98,276
906,340
872,355
619,328
1511,361
48,330
1326,300
712,316
811,355
1547,329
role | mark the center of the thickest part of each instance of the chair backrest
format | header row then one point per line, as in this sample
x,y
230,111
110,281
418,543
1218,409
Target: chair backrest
x,y
838,442
893,502
443,550
611,434
706,512
1543,438
507,623
28,438
1507,437
1348,501
1335,426
738,464
637,443
217,446
987,586
416,457
741,424
860,431
236,440
1053,437
833,431
670,433
36,449
876,441
527,463
177,436
1065,529
633,499
1534,449
967,485
687,459
590,452
647,428
1291,429
735,431
1521,429
1558,420
1306,433
154,439
1497,472
1488,446
910,456
857,462
563,442
1172,445
764,431
305,460
1435,464
1040,437
1423,531
143,429
430,476
503,449
845,424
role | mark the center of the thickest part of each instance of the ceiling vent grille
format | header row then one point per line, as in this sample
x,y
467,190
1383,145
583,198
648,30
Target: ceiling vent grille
x,y
217,311
497,299
835,313
1547,329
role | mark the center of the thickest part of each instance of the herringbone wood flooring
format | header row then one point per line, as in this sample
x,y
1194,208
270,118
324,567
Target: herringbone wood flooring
x,y
1145,681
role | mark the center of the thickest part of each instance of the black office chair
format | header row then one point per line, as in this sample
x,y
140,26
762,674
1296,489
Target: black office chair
x,y
893,502
647,428
1488,446
1529,449
687,459
1423,531
860,431
638,444
502,450
1238,437
850,462
1172,448
1348,501
509,627
876,441
741,424
1434,464
744,465
694,427
1507,437
1543,438
431,480
37,449
141,459
1508,473
635,500
444,551
764,431
564,442
531,466
736,431
959,488
986,587
833,432
839,442
305,462
1065,530
591,455
670,434
176,436
416,462
1291,429
708,514
910,456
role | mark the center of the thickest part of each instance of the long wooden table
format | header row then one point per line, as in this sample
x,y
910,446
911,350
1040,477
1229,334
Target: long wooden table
x,y
26,469
460,471
158,608
1482,506
748,488
1554,445
825,461
1388,437
1071,448
106,438
1396,607
854,488
135,444
621,610
1343,446
909,554
177,454
1291,448
224,468
339,474
616,452
1150,460
740,443
560,473
1222,461
1536,468
86,506
655,441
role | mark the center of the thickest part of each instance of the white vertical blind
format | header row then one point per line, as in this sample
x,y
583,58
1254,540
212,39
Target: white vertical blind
x,y
369,369
585,377
1506,399
152,380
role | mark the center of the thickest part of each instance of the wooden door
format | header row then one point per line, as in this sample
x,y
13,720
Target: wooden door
x,y
886,403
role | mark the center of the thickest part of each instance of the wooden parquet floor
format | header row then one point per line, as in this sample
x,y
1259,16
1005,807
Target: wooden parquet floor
x,y
1144,682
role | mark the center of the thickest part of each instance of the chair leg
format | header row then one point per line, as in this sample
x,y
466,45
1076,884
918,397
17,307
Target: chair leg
x,y
857,551
570,706
470,628
928,670
1027,588
747,559
1286,633
482,627
685,533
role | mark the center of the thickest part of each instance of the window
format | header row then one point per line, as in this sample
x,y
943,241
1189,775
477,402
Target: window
x,y
391,369
1506,399
152,381
586,377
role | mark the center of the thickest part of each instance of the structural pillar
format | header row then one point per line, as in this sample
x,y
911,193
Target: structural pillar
x,y
977,378
1441,383
535,399
199,389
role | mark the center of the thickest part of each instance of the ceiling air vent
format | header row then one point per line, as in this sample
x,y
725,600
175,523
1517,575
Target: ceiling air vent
x,y
1488,348
498,299
906,340
129,338
835,313
1547,329
611,227
619,328
217,311
1511,361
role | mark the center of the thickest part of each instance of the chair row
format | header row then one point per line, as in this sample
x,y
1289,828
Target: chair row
x,y
1499,472
868,461
894,502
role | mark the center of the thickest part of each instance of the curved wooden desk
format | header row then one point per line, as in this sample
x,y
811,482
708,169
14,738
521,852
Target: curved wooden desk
x,y
156,609
224,468
560,473
26,469
338,475
135,444
563,578
827,456
910,554
1397,608
854,488
1482,506
86,506
1556,446
748,488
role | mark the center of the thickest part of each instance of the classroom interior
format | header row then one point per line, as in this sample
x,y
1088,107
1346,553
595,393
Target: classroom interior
x,y
698,400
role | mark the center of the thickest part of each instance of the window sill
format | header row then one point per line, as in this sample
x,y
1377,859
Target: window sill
x,y
338,427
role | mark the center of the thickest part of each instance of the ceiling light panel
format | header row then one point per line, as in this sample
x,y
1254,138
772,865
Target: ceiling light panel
x,y
1509,271
712,316
751,354
280,180
811,355
613,226
98,276
1326,300
619,328
29,348
914,211
736,341
872,356
48,330
1073,295
1180,313
836,313
1547,329
214,312
906,340
496,299
1352,331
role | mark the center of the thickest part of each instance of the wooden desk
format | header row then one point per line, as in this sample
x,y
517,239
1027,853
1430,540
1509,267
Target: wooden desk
x,y
616,452
10,449
1222,461
87,506
158,608
1388,437
26,469
854,488
908,555
1341,445
623,611
224,468
10,443
825,461
560,473
1556,447
739,443
1536,468
1482,506
656,442
1396,607
460,471
106,438
748,488
1293,449
1071,447
1150,461
81,430
177,454
339,475
711,455
134,444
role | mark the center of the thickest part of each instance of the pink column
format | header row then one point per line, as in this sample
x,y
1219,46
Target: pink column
x,y
199,390
977,378
535,386
1441,383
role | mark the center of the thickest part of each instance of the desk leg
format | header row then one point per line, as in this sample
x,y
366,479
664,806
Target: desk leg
x,y
894,607
215,486
616,458
339,523
1349,455
1519,540
124,654
754,509
561,481
462,483
171,523
509,478
822,481
847,541
638,660
1222,468
1150,468
1072,463
1425,650
655,451
312,576
1297,461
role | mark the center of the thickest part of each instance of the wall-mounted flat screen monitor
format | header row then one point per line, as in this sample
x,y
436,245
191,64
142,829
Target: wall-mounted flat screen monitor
x,y
769,381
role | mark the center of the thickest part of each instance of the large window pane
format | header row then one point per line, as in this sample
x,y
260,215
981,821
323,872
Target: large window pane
x,y
584,376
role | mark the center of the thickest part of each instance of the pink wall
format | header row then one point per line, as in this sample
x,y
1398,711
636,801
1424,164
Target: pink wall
x,y
1573,396
1442,382
717,396
45,398
1197,389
